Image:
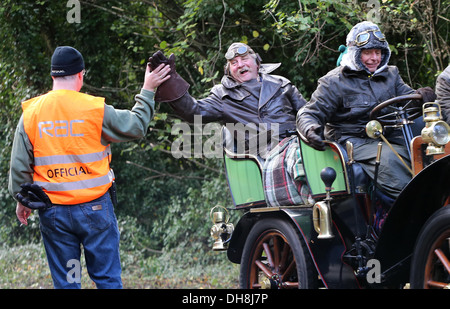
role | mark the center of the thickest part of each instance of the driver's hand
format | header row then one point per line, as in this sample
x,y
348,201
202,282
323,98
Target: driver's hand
x,y
427,93
314,137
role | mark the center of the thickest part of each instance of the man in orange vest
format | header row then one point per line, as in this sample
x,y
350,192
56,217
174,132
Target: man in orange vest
x,y
60,165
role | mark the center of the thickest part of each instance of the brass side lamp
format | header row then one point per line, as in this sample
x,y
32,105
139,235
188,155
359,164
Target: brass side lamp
x,y
221,230
436,131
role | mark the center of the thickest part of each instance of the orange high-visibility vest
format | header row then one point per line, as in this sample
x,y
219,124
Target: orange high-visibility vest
x,y
70,163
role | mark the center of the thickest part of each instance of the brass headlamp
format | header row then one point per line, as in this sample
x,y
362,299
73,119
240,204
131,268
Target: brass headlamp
x,y
436,131
221,230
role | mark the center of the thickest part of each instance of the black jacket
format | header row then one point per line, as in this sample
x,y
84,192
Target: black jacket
x,y
344,99
230,102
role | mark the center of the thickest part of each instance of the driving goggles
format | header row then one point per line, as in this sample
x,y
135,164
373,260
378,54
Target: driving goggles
x,y
363,37
240,51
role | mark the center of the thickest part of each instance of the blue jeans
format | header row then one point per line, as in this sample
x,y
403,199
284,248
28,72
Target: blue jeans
x,y
94,225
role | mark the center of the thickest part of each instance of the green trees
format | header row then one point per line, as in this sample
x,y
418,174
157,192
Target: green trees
x,y
169,198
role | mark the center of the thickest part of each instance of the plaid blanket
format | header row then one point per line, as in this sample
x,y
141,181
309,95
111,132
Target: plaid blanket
x,y
283,174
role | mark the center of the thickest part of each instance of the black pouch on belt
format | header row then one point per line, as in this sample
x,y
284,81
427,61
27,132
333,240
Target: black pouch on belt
x,y
113,193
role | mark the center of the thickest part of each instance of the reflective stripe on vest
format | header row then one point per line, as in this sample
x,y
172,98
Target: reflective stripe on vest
x,y
70,162
77,185
65,159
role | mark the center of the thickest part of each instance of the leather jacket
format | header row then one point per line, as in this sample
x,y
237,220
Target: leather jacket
x,y
232,102
344,99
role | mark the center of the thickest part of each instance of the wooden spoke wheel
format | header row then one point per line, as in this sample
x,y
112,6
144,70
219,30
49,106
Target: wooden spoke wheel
x,y
437,268
430,266
274,258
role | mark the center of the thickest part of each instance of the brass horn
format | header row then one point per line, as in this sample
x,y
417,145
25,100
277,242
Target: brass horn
x,y
322,220
322,210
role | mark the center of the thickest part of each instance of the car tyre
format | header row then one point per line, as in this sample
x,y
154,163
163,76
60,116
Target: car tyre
x,y
275,256
430,265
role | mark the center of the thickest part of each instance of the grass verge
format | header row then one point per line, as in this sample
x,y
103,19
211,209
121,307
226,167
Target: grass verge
x,y
25,267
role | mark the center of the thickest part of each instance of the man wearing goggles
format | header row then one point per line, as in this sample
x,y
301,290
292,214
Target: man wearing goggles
x,y
370,57
339,108
248,94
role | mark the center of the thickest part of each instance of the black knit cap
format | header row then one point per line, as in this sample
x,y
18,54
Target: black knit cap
x,y
66,60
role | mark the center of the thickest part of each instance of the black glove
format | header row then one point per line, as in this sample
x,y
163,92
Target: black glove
x,y
32,196
428,95
173,88
156,59
314,137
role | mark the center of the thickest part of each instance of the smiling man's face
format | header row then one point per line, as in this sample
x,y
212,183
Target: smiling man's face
x,y
243,68
371,58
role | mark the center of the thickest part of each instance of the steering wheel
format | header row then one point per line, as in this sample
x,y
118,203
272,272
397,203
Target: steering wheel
x,y
399,113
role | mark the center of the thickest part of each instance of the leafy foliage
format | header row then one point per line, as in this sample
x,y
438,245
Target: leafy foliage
x,y
163,201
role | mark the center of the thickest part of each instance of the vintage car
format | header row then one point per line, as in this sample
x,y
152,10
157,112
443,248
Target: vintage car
x,y
331,243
